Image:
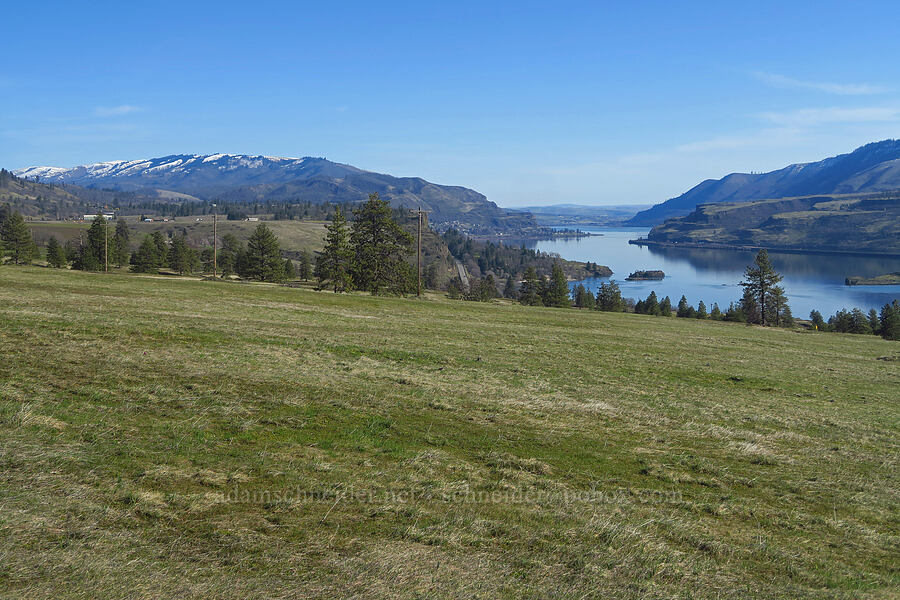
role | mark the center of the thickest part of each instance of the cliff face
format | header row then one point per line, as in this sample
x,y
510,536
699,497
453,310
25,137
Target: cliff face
x,y
845,223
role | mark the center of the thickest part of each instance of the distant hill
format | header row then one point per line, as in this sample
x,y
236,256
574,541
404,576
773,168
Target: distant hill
x,y
243,178
581,214
872,168
847,223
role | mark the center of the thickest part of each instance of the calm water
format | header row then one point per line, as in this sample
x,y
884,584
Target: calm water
x,y
811,281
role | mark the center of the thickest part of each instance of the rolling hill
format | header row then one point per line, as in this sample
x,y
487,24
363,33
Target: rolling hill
x,y
844,223
244,178
874,167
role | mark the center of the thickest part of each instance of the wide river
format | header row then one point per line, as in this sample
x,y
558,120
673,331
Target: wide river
x,y
811,281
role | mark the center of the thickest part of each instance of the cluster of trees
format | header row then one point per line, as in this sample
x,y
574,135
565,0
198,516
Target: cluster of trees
x,y
886,323
369,254
538,290
482,258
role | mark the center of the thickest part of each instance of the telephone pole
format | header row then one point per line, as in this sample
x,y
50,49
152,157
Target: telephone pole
x,y
215,231
419,257
105,246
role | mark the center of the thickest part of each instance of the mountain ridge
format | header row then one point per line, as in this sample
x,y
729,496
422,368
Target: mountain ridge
x,y
874,167
249,178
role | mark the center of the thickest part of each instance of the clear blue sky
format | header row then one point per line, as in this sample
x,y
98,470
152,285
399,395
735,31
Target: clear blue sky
x,y
529,103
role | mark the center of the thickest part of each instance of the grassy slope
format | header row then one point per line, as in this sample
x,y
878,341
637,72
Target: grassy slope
x,y
293,235
132,407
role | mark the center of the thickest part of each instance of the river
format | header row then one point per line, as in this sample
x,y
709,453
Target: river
x,y
811,281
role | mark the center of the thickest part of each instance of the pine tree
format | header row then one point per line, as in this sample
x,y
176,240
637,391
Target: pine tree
x,y
119,252
651,304
509,290
56,256
289,271
685,310
558,290
817,320
580,296
609,297
379,246
264,262
334,264
716,313
701,311
93,253
305,270
17,239
665,307
530,290
227,255
146,258
182,258
890,321
874,321
162,249
762,294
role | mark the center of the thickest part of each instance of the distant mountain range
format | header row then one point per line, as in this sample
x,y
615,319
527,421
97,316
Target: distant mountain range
x,y
874,167
245,178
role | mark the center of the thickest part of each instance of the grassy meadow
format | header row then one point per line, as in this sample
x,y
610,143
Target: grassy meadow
x,y
294,236
170,437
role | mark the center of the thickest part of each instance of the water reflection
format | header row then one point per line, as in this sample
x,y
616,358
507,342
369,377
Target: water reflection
x,y
811,280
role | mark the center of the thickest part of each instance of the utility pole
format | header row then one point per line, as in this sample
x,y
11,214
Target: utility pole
x,y
419,256
215,231
105,245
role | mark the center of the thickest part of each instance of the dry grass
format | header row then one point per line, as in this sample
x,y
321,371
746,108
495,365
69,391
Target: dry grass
x,y
178,438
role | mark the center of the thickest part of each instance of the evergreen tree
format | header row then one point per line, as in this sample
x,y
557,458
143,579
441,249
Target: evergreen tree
x,y
778,308
146,258
264,262
119,252
735,313
817,320
182,258
530,290
665,307
56,256
651,304
558,290
716,313
289,271
93,253
890,321
305,270
609,297
162,249
874,321
509,290
582,296
762,293
685,310
227,255
335,263
17,240
379,246
701,310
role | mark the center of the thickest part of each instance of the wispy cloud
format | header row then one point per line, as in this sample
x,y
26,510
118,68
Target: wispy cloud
x,y
841,89
810,117
116,111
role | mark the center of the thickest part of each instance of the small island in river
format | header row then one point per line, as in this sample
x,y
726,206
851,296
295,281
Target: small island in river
x,y
887,279
646,276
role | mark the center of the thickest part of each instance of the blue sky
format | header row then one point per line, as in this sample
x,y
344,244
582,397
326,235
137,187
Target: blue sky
x,y
529,103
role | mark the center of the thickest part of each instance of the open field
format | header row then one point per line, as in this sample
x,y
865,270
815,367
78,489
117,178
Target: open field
x,y
294,236
168,437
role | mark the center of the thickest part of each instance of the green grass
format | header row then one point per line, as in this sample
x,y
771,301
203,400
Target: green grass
x,y
154,434
292,235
